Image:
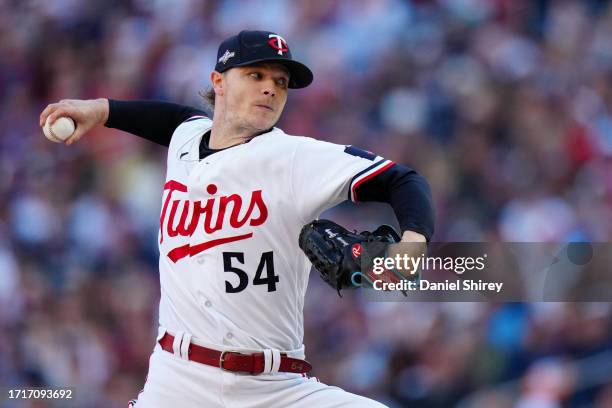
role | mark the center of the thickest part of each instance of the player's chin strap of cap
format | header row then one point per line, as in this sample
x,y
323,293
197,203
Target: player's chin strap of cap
x,y
269,361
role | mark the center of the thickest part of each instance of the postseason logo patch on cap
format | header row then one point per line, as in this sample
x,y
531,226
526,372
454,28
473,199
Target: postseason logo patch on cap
x,y
223,59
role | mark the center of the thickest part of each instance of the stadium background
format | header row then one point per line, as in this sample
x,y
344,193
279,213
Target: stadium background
x,y
505,106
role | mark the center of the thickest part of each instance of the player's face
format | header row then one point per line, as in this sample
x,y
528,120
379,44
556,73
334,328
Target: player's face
x,y
255,95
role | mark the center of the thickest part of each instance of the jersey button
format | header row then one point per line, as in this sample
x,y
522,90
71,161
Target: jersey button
x,y
203,300
229,335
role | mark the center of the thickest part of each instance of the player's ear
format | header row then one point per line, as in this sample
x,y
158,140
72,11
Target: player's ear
x,y
217,82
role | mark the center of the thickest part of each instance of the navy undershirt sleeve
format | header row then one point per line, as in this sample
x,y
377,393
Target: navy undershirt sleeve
x,y
407,192
152,120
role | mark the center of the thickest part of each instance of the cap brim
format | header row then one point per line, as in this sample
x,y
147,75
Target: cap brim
x,y
300,76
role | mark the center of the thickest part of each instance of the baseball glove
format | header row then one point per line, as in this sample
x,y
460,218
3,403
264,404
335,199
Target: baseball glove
x,y
338,254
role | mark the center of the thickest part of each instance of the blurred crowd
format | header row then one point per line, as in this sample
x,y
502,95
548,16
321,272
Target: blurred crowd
x,y
504,105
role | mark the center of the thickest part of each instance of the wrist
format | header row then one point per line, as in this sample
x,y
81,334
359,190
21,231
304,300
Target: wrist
x,y
103,110
411,236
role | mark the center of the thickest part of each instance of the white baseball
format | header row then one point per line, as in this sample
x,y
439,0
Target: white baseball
x,y
60,130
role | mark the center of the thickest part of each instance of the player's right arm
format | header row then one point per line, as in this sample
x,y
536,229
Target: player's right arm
x,y
152,120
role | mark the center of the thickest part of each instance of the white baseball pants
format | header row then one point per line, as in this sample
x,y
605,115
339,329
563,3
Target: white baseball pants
x,y
174,382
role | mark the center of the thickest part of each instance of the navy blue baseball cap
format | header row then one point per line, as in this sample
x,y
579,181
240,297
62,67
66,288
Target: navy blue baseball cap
x,y
250,47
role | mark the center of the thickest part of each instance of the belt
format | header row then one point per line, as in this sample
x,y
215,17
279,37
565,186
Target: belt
x,y
253,363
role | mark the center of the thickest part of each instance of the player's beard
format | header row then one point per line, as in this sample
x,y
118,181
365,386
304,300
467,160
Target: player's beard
x,y
259,120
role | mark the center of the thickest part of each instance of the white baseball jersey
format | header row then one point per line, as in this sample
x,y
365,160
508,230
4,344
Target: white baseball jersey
x,y
232,273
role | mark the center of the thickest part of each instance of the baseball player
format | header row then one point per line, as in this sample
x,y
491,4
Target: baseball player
x,y
237,193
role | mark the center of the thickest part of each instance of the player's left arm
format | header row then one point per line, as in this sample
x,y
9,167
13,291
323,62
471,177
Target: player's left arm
x,y
347,172
409,195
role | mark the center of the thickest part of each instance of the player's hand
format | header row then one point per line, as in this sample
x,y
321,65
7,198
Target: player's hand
x,y
86,114
411,236
412,245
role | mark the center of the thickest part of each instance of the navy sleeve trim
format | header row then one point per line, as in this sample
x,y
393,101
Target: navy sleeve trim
x,y
366,175
405,190
152,120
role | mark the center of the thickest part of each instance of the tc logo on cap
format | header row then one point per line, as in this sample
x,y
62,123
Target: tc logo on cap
x,y
278,43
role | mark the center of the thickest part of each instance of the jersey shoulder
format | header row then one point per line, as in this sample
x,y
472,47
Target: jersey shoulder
x,y
190,129
310,150
279,140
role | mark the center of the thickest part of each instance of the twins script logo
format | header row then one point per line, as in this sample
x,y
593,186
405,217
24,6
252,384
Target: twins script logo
x,y
215,212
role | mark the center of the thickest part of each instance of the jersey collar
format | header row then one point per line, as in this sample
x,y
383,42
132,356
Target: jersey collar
x,y
206,151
